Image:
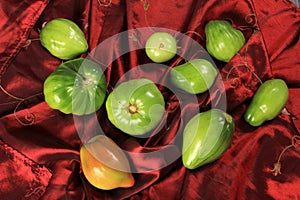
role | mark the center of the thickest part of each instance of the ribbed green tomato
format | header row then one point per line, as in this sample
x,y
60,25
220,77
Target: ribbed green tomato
x,y
268,102
206,137
135,106
77,86
63,39
222,40
195,76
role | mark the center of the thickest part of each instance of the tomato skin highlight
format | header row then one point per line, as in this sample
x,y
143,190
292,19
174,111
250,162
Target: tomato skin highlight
x,y
135,106
222,40
76,87
267,102
206,137
105,165
63,39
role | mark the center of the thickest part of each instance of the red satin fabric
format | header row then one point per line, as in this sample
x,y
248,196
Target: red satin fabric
x,y
39,146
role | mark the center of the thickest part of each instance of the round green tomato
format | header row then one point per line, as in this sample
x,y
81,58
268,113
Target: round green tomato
x,y
161,47
63,39
135,106
77,86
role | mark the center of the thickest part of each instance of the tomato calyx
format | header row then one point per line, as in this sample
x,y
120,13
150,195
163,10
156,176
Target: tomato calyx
x,y
161,46
88,81
228,118
133,109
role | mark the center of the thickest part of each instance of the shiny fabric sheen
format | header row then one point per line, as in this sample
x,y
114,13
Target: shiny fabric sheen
x,y
40,146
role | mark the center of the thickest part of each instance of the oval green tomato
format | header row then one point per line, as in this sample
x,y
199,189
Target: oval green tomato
x,y
135,106
206,137
195,76
77,86
222,40
63,39
267,102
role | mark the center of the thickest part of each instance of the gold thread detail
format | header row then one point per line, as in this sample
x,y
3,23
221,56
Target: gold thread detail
x,y
236,80
251,19
104,4
28,42
195,33
277,166
29,117
146,7
134,38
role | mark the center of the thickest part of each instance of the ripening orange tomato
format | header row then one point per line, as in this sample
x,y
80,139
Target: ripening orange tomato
x,y
104,164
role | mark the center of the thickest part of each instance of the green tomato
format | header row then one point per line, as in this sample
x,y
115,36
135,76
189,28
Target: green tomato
x,y
195,76
161,47
135,106
267,103
206,137
77,86
63,39
222,40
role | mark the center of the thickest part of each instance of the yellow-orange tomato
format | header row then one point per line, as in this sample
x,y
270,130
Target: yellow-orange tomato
x,y
105,165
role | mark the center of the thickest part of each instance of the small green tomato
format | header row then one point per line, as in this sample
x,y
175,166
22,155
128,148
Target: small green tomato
x,y
161,47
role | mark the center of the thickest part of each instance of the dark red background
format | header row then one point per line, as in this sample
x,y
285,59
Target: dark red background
x,y
39,146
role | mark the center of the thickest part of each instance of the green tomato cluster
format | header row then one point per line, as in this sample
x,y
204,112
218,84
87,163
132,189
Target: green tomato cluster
x,y
223,42
76,86
136,107
208,134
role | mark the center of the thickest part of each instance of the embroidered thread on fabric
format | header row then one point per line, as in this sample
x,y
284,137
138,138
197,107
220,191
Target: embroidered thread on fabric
x,y
145,4
34,191
105,3
146,7
37,185
134,38
295,144
195,33
28,42
251,19
29,117
234,82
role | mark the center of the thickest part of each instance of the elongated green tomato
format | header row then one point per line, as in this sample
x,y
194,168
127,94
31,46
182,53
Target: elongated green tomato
x,y
195,76
206,137
222,40
63,39
135,106
77,86
104,164
161,47
267,102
